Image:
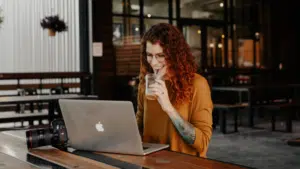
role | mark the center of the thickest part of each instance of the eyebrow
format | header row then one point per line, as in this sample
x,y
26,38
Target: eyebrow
x,y
161,53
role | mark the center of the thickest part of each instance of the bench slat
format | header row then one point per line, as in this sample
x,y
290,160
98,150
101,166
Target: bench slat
x,y
37,86
9,117
225,106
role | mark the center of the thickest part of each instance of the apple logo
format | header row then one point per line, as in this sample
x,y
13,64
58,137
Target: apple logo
x,y
99,127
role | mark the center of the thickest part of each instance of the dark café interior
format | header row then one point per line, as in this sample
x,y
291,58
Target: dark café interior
x,y
76,78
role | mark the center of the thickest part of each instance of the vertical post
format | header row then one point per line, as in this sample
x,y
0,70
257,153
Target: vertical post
x,y
84,43
204,47
124,2
179,24
289,124
254,52
223,119
83,35
225,37
232,33
235,111
142,28
104,67
170,11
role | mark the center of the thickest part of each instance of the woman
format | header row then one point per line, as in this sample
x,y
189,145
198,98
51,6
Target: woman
x,y
181,116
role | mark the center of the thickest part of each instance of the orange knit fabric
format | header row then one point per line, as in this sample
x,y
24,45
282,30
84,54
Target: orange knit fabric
x,y
156,126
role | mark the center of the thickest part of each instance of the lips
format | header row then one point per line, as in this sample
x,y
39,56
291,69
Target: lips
x,y
156,70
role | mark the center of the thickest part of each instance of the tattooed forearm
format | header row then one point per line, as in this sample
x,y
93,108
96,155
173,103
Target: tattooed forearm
x,y
184,128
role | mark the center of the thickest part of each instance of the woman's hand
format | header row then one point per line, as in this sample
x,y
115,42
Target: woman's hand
x,y
160,90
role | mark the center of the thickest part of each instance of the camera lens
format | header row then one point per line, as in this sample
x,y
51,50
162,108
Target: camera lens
x,y
38,137
56,135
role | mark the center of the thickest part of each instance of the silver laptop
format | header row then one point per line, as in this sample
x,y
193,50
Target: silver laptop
x,y
104,126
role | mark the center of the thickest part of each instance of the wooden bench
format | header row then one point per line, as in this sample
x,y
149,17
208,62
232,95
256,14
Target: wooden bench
x,y
223,110
38,82
15,81
225,102
10,117
294,142
53,107
276,99
35,84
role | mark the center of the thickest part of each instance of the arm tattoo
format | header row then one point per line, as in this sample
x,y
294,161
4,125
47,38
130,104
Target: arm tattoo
x,y
184,128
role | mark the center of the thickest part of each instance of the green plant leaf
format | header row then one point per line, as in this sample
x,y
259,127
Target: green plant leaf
x,y
54,23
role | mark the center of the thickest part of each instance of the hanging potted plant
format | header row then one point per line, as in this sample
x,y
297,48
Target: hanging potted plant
x,y
53,24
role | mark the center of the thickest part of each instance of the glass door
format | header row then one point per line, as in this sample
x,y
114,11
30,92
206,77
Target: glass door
x,y
215,45
206,43
192,34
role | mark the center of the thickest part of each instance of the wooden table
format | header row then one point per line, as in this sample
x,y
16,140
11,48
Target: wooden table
x,y
15,153
239,89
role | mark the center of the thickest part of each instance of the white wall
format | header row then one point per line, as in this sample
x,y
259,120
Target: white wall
x,y
26,47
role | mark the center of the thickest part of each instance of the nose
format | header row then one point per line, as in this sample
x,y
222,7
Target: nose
x,y
154,61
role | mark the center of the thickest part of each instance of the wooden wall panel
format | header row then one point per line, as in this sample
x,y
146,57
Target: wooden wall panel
x,y
127,60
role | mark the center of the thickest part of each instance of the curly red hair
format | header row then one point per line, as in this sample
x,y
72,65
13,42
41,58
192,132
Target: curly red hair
x,y
181,64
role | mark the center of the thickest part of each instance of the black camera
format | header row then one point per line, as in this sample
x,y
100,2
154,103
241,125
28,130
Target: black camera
x,y
56,135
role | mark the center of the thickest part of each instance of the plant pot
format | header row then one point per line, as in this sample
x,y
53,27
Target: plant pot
x,y
51,32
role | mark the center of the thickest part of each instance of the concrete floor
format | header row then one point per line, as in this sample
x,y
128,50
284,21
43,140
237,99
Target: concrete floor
x,y
255,148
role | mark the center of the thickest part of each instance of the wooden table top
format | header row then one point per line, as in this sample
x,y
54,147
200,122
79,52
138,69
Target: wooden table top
x,y
15,153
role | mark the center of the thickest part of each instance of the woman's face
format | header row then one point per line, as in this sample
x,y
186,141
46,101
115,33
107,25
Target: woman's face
x,y
156,57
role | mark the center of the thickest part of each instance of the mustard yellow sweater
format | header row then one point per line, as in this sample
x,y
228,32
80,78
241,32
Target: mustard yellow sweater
x,y
156,126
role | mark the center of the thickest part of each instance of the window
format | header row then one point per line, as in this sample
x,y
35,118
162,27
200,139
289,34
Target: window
x,y
202,9
126,30
156,8
117,6
126,7
150,22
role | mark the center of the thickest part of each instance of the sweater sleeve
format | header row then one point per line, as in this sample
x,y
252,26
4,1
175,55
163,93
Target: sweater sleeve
x,y
201,116
140,111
